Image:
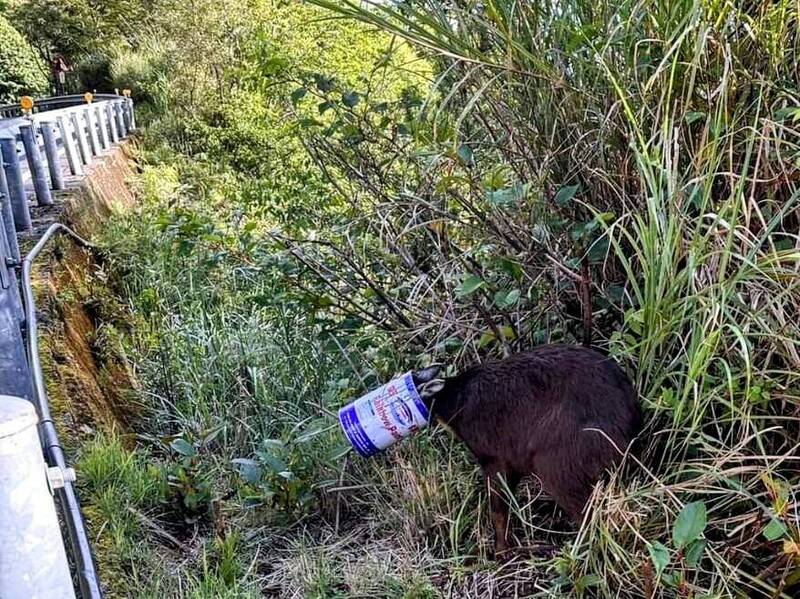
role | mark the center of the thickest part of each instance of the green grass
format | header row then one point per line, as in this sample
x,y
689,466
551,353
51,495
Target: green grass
x,y
140,539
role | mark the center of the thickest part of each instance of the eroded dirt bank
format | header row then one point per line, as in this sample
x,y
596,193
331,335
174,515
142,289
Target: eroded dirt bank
x,y
89,380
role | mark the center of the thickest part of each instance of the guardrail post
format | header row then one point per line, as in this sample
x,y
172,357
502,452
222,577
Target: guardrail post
x,y
9,250
118,110
131,116
5,254
15,376
126,119
16,188
9,290
51,151
31,143
88,114
7,278
38,566
7,214
112,127
73,160
101,125
80,134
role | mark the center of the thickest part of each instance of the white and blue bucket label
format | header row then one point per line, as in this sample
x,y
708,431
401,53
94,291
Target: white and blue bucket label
x,y
384,416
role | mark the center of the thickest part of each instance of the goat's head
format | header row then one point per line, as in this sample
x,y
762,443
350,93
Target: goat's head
x,y
428,382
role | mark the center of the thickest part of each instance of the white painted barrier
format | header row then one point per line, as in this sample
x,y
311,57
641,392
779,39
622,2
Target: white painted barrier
x,y
33,562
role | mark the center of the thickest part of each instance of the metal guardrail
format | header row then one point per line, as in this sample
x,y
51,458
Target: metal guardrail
x,y
8,111
62,135
69,137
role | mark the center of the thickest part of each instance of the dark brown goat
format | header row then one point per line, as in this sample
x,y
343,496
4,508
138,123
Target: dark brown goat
x,y
533,413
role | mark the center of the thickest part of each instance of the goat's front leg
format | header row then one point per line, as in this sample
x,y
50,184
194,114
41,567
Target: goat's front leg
x,y
500,483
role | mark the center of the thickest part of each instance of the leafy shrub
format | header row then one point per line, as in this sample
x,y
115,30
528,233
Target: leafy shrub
x,y
189,482
145,71
21,70
92,72
284,477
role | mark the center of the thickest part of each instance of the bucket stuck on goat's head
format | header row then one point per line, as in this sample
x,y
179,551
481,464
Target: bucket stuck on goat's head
x,y
384,416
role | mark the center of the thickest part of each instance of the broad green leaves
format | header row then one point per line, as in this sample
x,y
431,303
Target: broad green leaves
x,y
298,94
280,474
687,544
249,470
502,299
659,555
694,552
690,524
469,285
506,299
774,530
565,194
490,336
21,70
503,188
507,195
694,117
465,155
351,98
183,447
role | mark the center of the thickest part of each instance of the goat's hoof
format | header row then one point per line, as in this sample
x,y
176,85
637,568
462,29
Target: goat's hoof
x,y
504,554
540,550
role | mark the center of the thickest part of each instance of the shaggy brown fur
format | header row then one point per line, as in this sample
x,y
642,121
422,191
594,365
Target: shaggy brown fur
x,y
529,414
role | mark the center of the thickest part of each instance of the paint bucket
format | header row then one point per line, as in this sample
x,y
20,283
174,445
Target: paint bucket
x,y
384,416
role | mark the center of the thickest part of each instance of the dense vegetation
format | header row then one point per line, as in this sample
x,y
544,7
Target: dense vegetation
x,y
21,71
332,194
